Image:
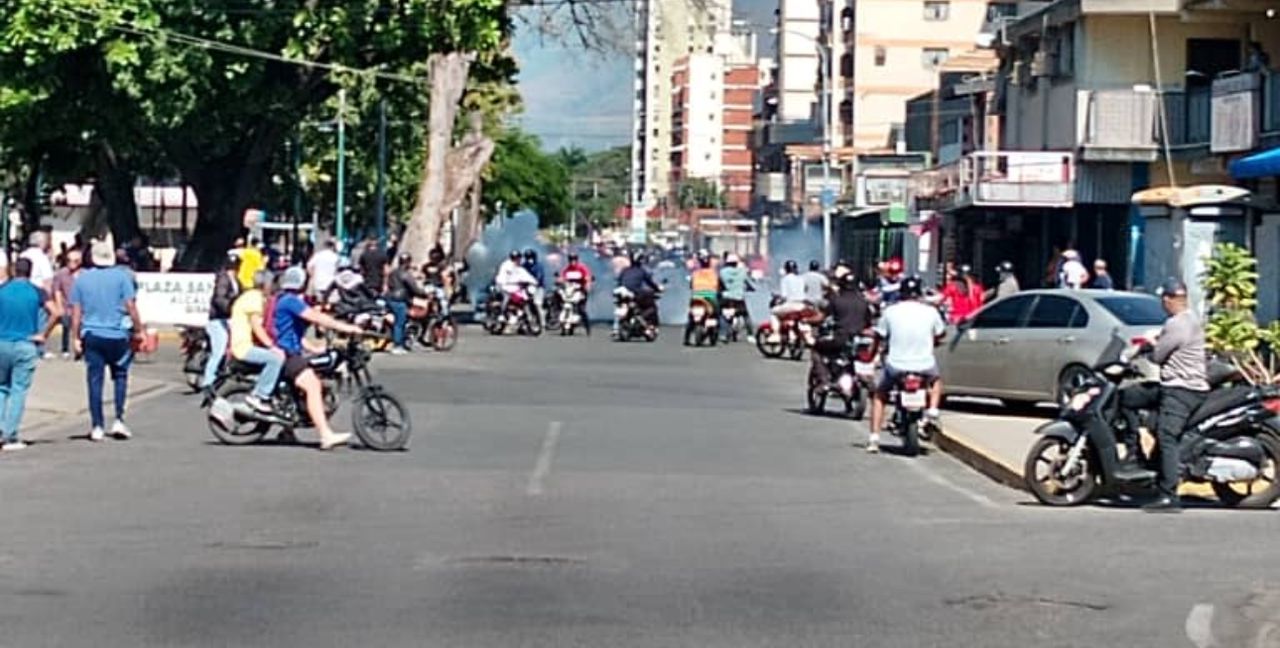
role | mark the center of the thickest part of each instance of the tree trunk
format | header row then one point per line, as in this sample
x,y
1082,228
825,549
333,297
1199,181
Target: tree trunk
x,y
115,184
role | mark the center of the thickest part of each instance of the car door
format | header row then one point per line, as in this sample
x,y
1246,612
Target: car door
x,y
1050,341
971,358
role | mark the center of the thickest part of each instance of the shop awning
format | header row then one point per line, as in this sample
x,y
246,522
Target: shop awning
x,y
1258,165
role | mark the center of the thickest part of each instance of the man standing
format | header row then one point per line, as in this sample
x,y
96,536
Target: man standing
x,y
323,267
251,263
103,311
63,279
1101,278
402,289
226,287
41,265
1008,284
1073,274
21,304
374,265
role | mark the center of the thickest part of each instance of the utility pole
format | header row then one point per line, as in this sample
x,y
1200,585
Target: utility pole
x,y
296,150
573,212
382,174
828,194
342,169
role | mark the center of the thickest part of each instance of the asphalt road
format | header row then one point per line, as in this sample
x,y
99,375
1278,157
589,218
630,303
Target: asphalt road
x,y
575,492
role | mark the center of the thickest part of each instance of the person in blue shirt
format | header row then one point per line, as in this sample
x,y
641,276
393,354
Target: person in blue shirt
x,y
21,304
291,318
104,318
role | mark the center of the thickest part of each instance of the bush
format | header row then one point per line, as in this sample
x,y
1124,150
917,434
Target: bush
x,y
1231,281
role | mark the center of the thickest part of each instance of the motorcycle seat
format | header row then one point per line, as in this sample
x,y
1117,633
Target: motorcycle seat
x,y
1218,401
1221,372
1238,448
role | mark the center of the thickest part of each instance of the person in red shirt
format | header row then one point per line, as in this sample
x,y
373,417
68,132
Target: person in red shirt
x,y
958,297
575,271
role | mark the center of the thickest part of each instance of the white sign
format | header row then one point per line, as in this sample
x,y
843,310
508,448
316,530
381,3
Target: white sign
x,y
174,298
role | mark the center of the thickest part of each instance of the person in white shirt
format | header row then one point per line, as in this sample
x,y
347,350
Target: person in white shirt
x,y
323,267
513,278
794,299
912,329
41,265
1073,275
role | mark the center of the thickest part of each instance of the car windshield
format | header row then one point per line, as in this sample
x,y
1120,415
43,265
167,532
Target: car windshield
x,y
1135,310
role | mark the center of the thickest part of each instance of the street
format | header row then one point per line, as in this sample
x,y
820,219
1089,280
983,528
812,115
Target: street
x,y
579,492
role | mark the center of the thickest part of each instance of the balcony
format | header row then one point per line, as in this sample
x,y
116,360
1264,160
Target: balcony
x,y
1119,125
1189,114
999,179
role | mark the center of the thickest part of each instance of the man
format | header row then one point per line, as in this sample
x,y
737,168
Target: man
x,y
41,265
1101,278
734,284
1073,274
251,343
226,288
1008,282
439,277
292,317
1180,352
103,312
961,297
704,284
639,282
374,265
888,283
63,279
402,289
852,315
21,305
323,267
911,329
815,285
578,273
791,289
251,263
513,278
534,266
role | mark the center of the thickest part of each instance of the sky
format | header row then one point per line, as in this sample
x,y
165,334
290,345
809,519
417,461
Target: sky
x,y
577,98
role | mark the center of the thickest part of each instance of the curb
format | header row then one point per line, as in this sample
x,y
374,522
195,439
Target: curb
x,y
64,419
978,458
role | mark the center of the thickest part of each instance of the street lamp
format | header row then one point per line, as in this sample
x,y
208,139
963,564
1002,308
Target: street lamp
x,y
828,195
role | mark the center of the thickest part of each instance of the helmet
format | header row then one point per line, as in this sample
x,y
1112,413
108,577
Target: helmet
x,y
530,254
732,259
910,288
966,270
893,266
637,257
233,259
849,281
295,278
573,257
814,266
704,257
1071,255
1005,267
790,267
405,258
436,255
514,255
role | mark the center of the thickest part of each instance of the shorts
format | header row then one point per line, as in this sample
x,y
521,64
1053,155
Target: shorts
x,y
294,365
889,377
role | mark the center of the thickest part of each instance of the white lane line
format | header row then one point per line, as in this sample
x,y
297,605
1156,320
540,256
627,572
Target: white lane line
x,y
918,466
543,466
1199,625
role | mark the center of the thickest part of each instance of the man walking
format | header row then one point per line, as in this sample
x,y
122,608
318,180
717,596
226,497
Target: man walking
x,y
103,312
63,279
21,304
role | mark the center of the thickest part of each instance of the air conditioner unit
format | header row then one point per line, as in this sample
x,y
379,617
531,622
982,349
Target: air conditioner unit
x,y
1018,75
1041,64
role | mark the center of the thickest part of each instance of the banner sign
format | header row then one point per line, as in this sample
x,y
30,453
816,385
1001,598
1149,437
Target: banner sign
x,y
174,298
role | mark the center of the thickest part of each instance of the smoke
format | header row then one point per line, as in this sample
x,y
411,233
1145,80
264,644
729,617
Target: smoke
x,y
498,239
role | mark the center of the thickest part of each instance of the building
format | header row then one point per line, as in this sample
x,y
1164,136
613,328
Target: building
x,y
667,31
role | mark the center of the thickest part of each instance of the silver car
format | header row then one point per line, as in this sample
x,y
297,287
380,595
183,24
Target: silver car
x,y
1029,346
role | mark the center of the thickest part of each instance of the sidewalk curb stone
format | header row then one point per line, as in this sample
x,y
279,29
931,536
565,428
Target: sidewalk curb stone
x,y
979,458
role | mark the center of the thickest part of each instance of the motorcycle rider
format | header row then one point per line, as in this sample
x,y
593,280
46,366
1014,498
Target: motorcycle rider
x,y
402,289
252,344
958,296
1008,284
438,278
575,271
704,284
816,285
852,315
535,268
888,283
734,284
1180,352
911,329
791,290
637,279
226,287
349,294
291,318
514,278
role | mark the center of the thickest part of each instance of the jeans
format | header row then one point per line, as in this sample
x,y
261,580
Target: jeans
x,y
100,353
17,367
401,311
272,363
218,337
1176,406
442,299
65,321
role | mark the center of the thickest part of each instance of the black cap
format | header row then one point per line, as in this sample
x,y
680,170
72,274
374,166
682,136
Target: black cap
x,y
1172,288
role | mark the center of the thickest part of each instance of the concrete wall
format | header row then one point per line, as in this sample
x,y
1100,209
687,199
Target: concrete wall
x,y
704,116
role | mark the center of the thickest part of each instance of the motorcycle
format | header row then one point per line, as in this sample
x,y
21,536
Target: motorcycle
x,y
631,321
380,420
427,327
703,325
521,310
852,373
376,319
195,355
790,336
909,398
565,311
1231,442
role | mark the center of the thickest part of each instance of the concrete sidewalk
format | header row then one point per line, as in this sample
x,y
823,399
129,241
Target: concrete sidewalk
x,y
991,438
58,396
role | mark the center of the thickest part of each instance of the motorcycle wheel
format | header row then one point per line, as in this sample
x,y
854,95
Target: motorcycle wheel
x,y
815,397
795,350
767,348
413,334
1040,475
911,438
244,432
444,336
193,368
650,334
553,319
857,406
531,325
381,421
1261,492
624,333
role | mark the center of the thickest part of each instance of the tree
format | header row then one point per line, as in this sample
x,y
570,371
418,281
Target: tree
x,y
699,193
1231,280
522,176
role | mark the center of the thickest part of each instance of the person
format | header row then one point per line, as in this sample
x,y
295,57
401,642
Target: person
x,y
1101,278
513,278
439,277
852,315
1008,282
534,266
911,329
348,294
226,287
37,253
402,289
1073,274
374,265
575,271
815,285
791,290
271,253
637,279
1180,352
291,318
888,283
1257,60
704,284
734,284
958,296
251,263
323,267
251,343
103,313
21,305
63,279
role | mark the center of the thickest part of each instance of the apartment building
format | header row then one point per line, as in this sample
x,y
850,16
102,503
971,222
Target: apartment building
x,y
667,31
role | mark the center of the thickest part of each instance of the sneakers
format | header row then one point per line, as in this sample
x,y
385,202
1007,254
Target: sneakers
x,y
97,434
257,404
933,414
873,444
120,431
66,355
49,355
399,351
13,446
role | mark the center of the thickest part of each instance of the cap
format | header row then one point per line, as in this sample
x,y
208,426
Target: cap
x,y
102,254
1172,288
294,278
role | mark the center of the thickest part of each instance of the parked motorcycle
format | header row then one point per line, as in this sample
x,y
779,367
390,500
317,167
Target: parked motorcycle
x,y
852,373
380,420
521,311
428,328
703,325
195,355
631,321
1231,442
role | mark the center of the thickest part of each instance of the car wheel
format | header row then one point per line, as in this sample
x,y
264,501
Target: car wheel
x,y
1070,378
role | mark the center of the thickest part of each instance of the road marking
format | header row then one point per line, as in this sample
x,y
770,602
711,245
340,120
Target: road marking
x,y
1199,625
918,466
543,466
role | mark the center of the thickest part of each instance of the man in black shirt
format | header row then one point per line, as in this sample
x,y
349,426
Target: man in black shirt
x,y
852,315
374,265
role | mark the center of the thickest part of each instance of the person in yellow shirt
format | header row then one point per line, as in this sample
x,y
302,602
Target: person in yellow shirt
x,y
251,262
252,344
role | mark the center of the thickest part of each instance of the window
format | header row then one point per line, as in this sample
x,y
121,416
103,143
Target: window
x,y
932,57
881,54
999,10
1054,312
1135,310
937,10
1006,313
